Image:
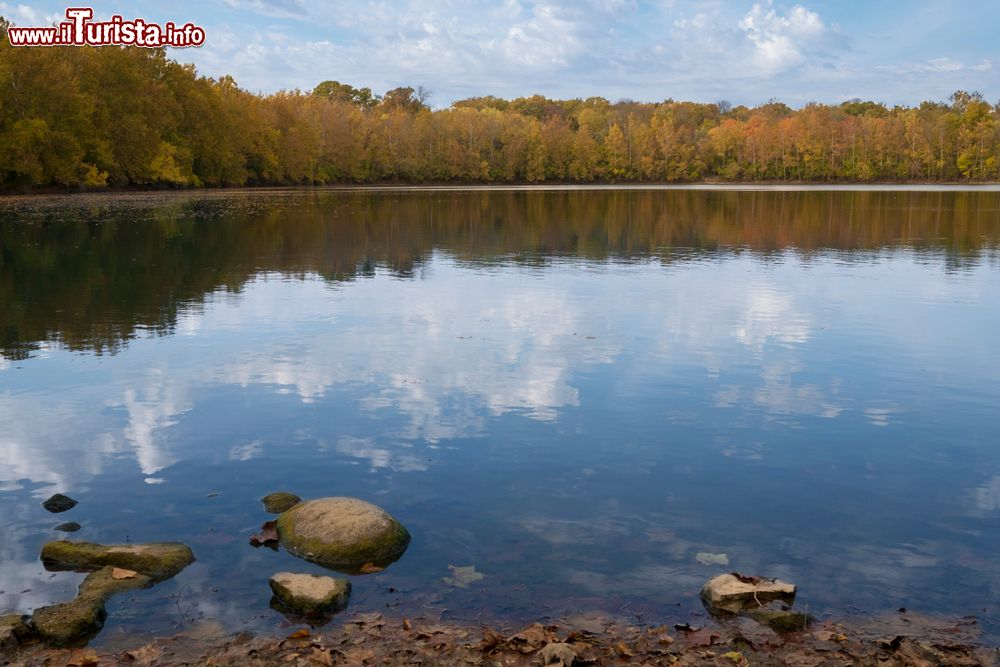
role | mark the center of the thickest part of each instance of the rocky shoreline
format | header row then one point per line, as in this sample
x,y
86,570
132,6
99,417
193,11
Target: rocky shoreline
x,y
591,639
751,620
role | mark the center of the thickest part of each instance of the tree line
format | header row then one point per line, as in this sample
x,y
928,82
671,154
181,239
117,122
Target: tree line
x,y
94,117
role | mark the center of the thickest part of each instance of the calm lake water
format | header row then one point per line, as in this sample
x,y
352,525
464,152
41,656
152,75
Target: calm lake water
x,y
575,392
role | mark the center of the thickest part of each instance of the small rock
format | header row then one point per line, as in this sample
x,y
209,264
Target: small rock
x,y
310,594
781,620
733,593
59,503
280,501
14,630
343,534
68,527
157,560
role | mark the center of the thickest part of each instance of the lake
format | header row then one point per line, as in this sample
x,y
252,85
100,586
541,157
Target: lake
x,y
586,394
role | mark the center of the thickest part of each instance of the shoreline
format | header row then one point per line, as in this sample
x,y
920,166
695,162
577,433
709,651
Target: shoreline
x,y
589,639
8,197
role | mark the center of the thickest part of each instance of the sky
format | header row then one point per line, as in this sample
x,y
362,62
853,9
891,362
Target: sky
x,y
745,52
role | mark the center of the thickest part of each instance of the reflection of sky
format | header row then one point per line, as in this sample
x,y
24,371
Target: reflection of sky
x,y
458,344
736,357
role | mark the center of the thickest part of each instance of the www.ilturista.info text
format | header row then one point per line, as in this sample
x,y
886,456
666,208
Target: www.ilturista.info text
x,y
80,30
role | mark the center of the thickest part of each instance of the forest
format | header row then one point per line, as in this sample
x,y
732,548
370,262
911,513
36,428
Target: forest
x,y
81,117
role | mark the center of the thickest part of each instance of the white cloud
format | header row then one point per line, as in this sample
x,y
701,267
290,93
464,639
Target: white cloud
x,y
782,41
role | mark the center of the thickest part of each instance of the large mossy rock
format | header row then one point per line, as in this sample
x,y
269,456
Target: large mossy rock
x,y
309,594
157,560
344,534
75,622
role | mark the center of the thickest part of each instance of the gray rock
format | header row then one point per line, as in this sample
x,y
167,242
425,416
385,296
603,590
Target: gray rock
x,y
344,534
280,501
59,503
68,527
732,593
309,594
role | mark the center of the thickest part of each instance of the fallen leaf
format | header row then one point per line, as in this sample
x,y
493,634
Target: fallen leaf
x,y
463,576
321,657
361,655
623,650
706,558
491,640
734,656
300,634
82,657
145,655
530,639
370,568
558,654
703,637
121,573
268,535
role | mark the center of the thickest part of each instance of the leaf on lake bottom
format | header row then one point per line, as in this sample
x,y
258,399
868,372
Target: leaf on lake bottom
x,y
462,576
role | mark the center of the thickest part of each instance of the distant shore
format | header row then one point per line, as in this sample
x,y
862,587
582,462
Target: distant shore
x,y
722,186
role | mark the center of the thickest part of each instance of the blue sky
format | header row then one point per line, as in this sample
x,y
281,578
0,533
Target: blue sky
x,y
898,52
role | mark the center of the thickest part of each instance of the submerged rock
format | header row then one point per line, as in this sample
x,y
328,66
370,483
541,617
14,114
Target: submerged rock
x,y
781,620
68,527
157,560
74,622
309,594
343,534
14,630
280,501
59,503
734,593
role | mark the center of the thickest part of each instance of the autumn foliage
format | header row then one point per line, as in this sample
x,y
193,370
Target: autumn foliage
x,y
91,117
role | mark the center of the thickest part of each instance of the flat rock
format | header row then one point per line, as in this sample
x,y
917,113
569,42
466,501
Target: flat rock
x,y
344,534
68,527
75,622
732,593
59,503
280,501
157,560
309,594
